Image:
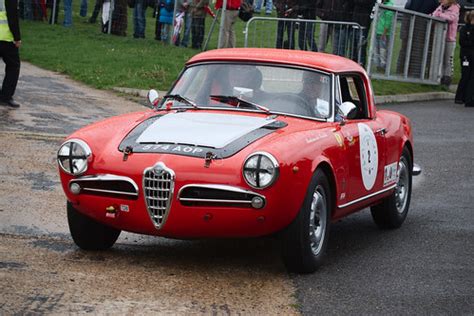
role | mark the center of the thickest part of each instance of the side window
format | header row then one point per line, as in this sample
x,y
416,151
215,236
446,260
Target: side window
x,y
352,90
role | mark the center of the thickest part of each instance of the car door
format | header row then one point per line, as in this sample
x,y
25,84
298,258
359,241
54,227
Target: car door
x,y
364,143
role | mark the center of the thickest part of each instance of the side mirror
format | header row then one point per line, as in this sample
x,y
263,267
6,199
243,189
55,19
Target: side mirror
x,y
153,97
348,110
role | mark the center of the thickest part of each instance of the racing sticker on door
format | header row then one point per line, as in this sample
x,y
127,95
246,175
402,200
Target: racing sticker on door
x,y
390,174
369,156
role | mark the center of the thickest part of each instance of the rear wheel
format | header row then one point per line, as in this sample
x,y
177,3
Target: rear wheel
x,y
304,241
391,213
89,234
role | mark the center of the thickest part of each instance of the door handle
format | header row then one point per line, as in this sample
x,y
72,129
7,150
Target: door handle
x,y
381,131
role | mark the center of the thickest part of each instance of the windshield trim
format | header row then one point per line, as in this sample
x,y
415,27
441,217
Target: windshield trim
x,y
233,109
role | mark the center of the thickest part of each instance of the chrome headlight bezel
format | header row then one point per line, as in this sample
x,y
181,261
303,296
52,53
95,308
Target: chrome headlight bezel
x,y
269,160
70,146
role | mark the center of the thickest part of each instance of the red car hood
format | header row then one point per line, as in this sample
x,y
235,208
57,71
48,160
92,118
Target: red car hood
x,y
214,130
198,133
203,132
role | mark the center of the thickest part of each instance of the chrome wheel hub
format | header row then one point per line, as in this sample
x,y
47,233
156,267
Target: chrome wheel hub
x,y
402,188
317,220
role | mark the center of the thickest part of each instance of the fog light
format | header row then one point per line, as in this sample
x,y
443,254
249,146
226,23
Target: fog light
x,y
257,202
75,188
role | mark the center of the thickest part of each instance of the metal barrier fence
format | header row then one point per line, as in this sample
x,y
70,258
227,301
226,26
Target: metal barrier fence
x,y
406,46
347,38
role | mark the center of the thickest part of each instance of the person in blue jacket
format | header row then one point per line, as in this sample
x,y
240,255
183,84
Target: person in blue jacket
x,y
166,19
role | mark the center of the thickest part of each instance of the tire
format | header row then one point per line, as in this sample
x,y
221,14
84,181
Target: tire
x,y
393,210
89,234
305,240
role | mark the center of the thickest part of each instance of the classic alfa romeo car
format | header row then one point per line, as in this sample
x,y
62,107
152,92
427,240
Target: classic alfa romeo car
x,y
247,143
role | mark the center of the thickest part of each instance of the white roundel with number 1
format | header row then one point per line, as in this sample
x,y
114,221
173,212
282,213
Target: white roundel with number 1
x,y
369,155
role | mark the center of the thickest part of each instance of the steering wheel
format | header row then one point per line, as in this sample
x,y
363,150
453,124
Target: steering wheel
x,y
290,103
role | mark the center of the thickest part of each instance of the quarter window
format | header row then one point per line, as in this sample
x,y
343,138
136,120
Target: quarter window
x,y
352,90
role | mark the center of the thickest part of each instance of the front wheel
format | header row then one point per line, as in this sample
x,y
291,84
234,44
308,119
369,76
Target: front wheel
x,y
391,213
89,234
304,241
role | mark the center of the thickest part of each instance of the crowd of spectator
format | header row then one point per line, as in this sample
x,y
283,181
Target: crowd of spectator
x,y
190,18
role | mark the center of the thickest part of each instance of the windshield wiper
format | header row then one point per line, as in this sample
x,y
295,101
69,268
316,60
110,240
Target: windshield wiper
x,y
180,98
237,102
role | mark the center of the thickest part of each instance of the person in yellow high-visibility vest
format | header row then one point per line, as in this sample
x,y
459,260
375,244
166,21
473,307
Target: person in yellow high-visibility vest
x,y
10,42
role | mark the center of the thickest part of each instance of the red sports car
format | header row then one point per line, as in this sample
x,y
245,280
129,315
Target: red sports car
x,y
248,142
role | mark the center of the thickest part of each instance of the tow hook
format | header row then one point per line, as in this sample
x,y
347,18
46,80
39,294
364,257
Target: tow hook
x,y
126,152
208,159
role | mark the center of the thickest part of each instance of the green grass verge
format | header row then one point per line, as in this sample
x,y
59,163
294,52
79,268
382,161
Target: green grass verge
x,y
105,61
384,87
100,60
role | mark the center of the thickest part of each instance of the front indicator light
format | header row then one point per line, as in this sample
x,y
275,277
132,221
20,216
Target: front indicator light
x,y
257,202
75,188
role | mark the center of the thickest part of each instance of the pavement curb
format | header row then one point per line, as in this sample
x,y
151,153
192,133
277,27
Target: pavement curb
x,y
380,99
414,97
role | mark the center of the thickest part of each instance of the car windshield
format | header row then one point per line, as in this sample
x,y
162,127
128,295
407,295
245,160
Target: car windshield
x,y
276,88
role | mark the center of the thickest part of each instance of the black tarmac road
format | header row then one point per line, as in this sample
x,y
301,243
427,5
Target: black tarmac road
x,y
425,267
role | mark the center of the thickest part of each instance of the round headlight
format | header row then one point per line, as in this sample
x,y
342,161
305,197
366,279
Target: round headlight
x,y
73,156
260,170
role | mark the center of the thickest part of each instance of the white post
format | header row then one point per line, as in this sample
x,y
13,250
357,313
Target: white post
x,y
373,34
221,26
54,12
112,8
170,33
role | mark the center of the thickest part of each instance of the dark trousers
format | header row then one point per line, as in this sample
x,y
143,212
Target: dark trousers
x,y
139,19
359,38
197,31
119,18
95,13
10,56
51,5
465,90
290,30
306,39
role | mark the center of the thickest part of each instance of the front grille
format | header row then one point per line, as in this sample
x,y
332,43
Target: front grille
x,y
158,186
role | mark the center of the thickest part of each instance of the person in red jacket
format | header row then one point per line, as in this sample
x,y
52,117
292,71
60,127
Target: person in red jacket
x,y
231,14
